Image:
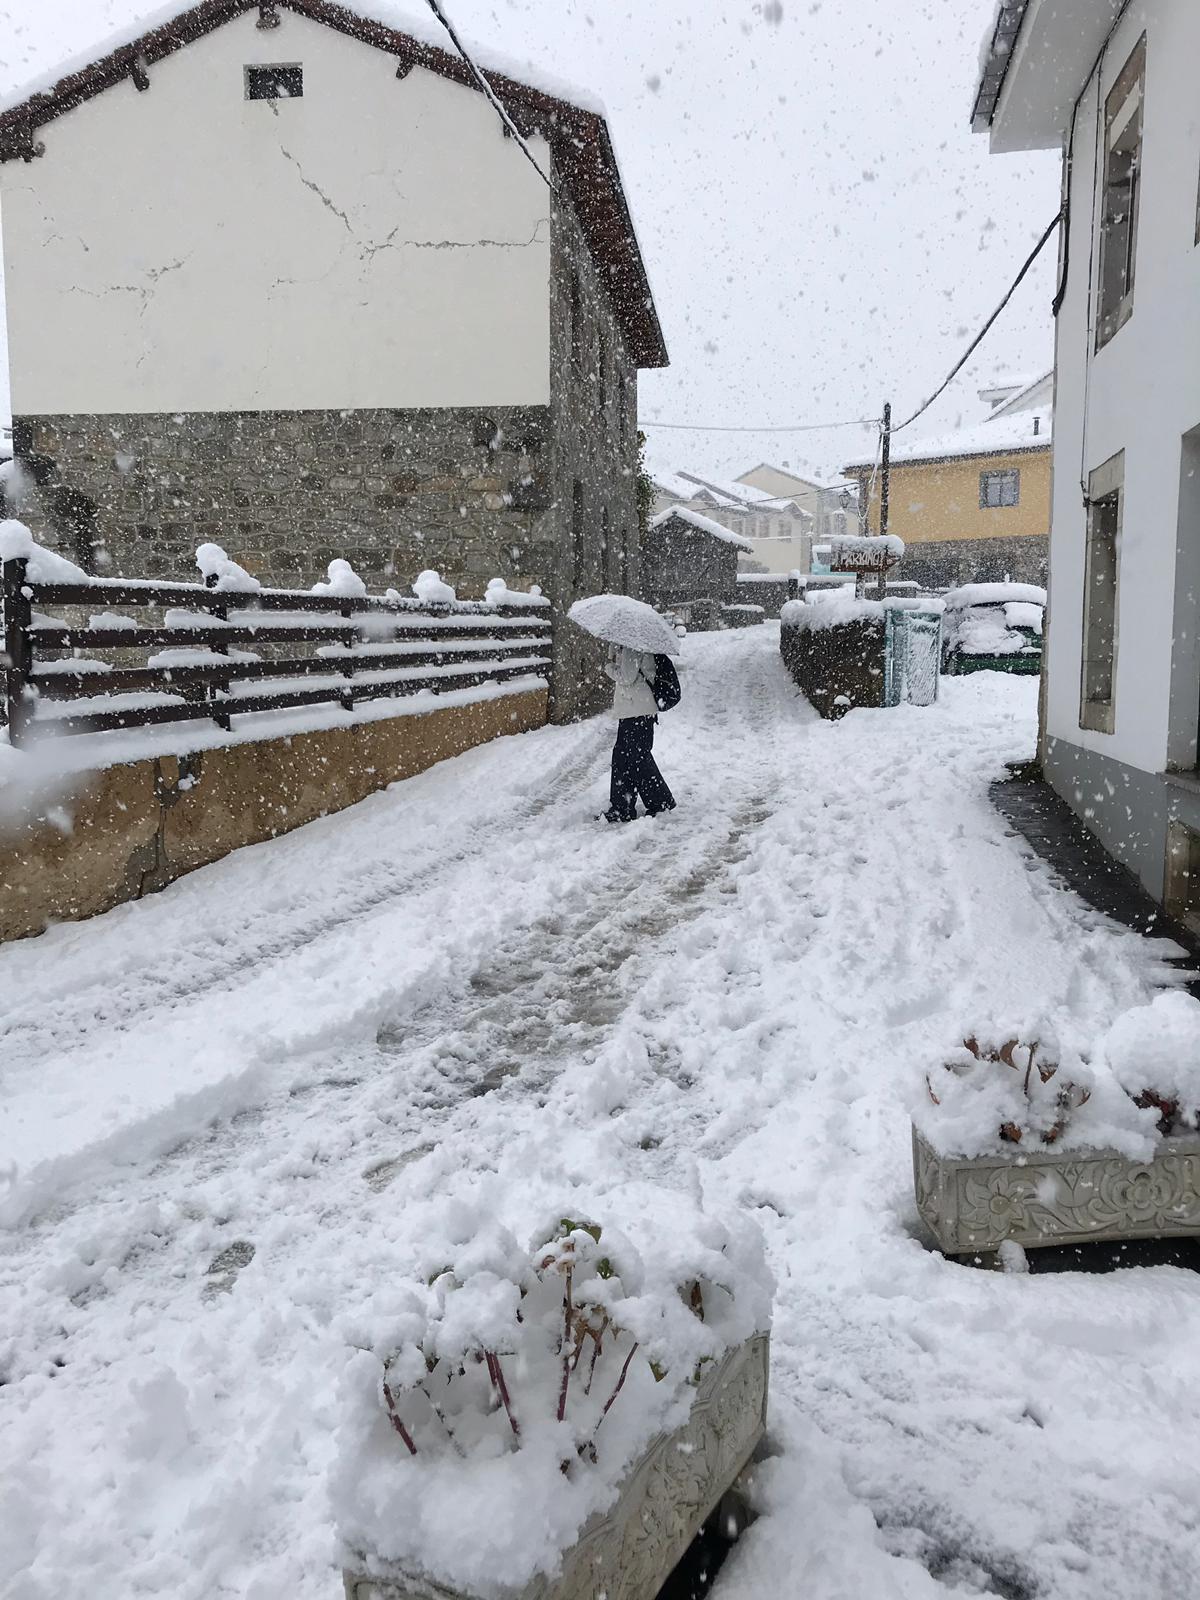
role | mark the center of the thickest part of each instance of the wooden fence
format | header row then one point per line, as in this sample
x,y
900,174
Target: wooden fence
x,y
114,671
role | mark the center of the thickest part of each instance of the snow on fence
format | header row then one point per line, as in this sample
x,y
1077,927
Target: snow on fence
x,y
339,647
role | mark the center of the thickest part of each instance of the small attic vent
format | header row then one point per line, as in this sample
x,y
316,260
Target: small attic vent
x,y
274,83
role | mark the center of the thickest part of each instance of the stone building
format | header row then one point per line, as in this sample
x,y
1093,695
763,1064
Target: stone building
x,y
279,277
689,564
973,506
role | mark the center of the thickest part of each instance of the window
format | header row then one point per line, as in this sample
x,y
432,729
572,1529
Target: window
x,y
1121,194
999,488
1100,578
839,524
274,83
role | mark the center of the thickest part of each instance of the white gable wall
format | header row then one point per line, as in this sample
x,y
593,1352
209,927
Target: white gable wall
x,y
376,243
1139,394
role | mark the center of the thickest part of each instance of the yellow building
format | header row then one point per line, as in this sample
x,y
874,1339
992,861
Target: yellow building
x,y
972,506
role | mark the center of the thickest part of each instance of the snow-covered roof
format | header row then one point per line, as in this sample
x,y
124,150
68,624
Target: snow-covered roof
x,y
1037,394
572,119
739,493
1000,434
703,524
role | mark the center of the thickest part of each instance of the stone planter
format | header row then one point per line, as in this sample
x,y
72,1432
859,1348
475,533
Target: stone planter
x,y
627,1553
1054,1197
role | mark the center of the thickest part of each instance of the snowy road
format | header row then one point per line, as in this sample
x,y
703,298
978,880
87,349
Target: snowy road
x,y
227,1110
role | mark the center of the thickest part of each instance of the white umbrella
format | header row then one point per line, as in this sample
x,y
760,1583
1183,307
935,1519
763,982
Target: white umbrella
x,y
617,619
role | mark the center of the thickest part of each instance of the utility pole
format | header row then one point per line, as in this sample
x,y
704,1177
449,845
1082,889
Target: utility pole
x,y
884,486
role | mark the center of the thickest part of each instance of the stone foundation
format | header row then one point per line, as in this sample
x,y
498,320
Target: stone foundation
x,y
945,563
137,826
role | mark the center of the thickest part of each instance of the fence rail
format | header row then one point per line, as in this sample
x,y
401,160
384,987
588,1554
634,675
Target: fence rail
x,y
363,648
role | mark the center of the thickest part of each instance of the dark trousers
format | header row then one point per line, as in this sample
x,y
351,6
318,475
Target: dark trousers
x,y
635,771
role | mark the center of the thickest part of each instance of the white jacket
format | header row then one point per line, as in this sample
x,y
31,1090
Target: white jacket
x,y
633,675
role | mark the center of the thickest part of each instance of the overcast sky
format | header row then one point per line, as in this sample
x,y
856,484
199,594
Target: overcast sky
x,y
822,229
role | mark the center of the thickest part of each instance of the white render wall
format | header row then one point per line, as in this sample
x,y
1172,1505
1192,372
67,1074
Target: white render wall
x,y
1142,395
378,242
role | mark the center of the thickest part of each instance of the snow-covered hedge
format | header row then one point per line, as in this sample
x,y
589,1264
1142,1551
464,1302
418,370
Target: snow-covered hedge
x,y
492,1404
830,608
1026,1088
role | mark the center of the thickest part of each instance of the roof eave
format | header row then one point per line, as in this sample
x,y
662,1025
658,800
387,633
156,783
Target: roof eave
x,y
1010,17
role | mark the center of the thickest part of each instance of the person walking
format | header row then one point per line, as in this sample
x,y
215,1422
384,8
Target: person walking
x,y
634,770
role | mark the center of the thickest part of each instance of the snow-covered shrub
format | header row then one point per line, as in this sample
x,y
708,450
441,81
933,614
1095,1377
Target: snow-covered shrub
x,y
1154,1054
1141,1083
1030,1100
515,1378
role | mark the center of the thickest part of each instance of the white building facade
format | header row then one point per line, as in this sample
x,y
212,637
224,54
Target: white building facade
x,y
1114,85
278,276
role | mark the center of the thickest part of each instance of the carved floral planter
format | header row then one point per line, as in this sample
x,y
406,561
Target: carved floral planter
x,y
1046,1196
627,1553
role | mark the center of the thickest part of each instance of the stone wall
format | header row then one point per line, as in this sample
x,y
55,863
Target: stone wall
x,y
593,402
285,492
945,563
137,826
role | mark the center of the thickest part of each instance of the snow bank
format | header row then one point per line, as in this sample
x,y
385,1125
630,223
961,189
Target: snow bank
x,y
498,1378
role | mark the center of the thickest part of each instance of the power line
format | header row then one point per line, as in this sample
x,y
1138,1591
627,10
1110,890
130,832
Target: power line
x,y
483,83
799,427
980,336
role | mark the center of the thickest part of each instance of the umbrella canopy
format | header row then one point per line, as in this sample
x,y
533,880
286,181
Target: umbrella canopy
x,y
619,620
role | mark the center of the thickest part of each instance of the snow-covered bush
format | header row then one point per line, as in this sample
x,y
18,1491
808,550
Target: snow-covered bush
x,y
1154,1054
515,1378
1142,1082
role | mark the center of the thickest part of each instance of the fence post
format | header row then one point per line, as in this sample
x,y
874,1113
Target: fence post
x,y
18,646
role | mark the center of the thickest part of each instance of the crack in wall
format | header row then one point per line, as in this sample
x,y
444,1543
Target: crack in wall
x,y
317,190
369,251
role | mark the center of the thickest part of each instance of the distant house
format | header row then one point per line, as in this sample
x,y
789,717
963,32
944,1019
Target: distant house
x,y
279,277
833,508
973,506
690,563
779,532
1114,88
